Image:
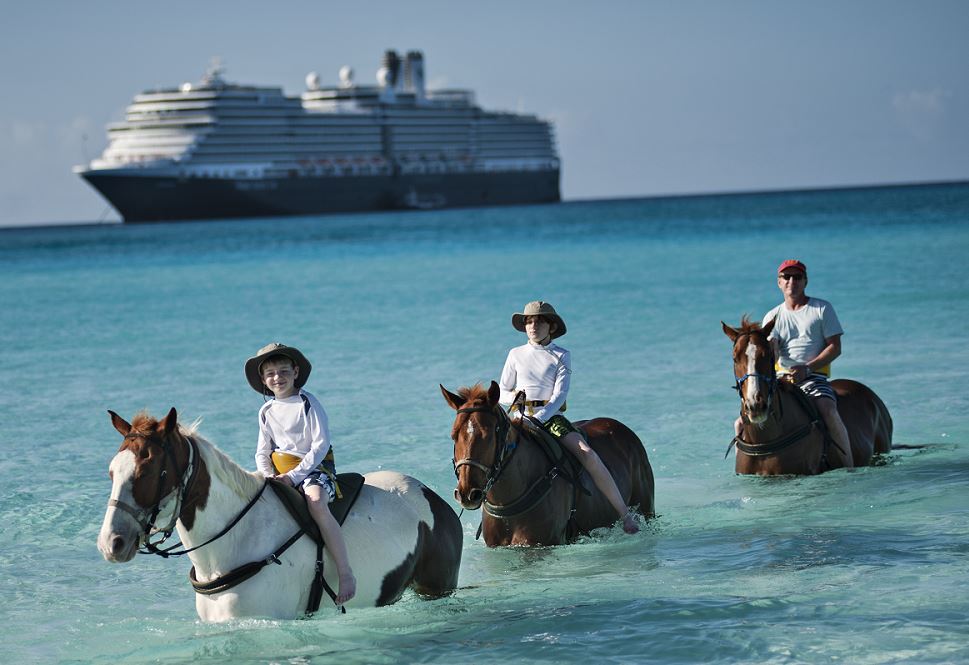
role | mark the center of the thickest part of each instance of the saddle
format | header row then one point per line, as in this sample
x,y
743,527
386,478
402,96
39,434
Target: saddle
x,y
295,502
558,455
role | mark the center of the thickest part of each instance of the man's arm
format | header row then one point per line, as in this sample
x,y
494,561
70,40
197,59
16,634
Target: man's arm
x,y
829,353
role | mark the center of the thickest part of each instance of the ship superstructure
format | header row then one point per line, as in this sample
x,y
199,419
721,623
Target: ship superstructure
x,y
218,149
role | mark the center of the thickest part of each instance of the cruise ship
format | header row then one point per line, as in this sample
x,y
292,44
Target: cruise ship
x,y
216,149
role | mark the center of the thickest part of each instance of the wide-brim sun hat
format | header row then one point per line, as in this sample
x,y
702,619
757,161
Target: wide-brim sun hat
x,y
539,308
792,264
276,349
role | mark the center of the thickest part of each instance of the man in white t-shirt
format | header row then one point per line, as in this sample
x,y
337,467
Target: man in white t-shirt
x,y
806,339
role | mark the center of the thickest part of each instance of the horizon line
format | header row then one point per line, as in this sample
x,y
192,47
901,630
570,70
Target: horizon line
x,y
599,199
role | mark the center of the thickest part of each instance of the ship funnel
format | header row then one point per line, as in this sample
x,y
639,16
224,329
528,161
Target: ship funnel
x,y
391,63
388,76
414,74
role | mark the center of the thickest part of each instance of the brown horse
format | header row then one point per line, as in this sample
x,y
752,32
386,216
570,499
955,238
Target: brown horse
x,y
526,491
782,432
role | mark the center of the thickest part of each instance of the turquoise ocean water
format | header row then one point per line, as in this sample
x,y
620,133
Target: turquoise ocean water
x,y
870,566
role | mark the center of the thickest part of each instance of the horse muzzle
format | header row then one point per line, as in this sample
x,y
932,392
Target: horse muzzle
x,y
471,500
120,536
118,548
756,411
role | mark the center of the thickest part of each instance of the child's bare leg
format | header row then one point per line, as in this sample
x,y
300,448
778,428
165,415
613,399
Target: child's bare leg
x,y
333,539
601,477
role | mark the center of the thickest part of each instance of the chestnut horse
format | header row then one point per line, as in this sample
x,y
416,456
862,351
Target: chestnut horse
x,y
782,432
399,533
527,496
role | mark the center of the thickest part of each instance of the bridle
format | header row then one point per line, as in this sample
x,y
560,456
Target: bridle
x,y
504,448
769,379
146,517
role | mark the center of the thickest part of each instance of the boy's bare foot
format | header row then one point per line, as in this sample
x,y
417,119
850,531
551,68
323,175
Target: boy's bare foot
x,y
629,524
348,588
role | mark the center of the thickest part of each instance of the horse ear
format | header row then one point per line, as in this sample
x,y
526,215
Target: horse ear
x,y
494,393
455,401
120,424
729,332
769,327
171,422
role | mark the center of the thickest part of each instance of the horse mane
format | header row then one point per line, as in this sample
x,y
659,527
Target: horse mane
x,y
243,483
748,326
474,395
143,422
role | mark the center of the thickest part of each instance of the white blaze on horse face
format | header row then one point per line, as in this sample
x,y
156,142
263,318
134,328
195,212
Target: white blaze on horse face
x,y
752,383
470,427
119,523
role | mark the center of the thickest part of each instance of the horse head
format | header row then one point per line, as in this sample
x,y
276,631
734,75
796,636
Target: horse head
x,y
477,439
753,367
149,477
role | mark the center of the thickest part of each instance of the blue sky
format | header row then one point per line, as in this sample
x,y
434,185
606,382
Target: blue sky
x,y
648,98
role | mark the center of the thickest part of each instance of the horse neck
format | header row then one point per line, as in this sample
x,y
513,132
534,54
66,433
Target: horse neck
x,y
526,466
231,488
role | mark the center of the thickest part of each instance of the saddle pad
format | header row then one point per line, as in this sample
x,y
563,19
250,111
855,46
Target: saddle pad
x,y
806,402
295,502
557,454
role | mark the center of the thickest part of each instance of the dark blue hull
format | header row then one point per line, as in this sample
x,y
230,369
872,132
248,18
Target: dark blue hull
x,y
141,198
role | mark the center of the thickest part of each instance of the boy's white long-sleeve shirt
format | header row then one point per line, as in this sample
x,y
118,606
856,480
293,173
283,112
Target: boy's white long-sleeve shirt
x,y
296,425
543,372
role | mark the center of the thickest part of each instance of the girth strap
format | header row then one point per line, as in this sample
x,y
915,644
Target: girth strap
x,y
242,573
772,447
538,491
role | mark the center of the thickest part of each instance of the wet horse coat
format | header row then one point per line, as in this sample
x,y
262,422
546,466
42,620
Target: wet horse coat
x,y
782,436
526,499
399,533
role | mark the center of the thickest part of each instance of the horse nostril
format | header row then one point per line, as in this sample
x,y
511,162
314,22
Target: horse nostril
x,y
457,494
117,544
474,495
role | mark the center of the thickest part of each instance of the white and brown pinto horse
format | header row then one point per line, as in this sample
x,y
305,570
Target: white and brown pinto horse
x,y
526,496
781,435
399,533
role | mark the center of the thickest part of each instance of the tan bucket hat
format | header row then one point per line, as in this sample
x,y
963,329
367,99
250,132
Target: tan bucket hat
x,y
539,308
276,349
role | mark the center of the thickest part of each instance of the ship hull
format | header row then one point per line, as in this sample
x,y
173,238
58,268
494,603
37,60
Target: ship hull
x,y
154,198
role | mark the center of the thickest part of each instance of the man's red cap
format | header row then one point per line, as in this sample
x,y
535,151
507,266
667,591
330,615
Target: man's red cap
x,y
791,264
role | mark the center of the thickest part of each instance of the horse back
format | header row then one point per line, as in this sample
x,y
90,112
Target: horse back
x,y
866,418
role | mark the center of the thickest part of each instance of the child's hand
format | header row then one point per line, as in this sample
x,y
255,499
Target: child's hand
x,y
284,479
